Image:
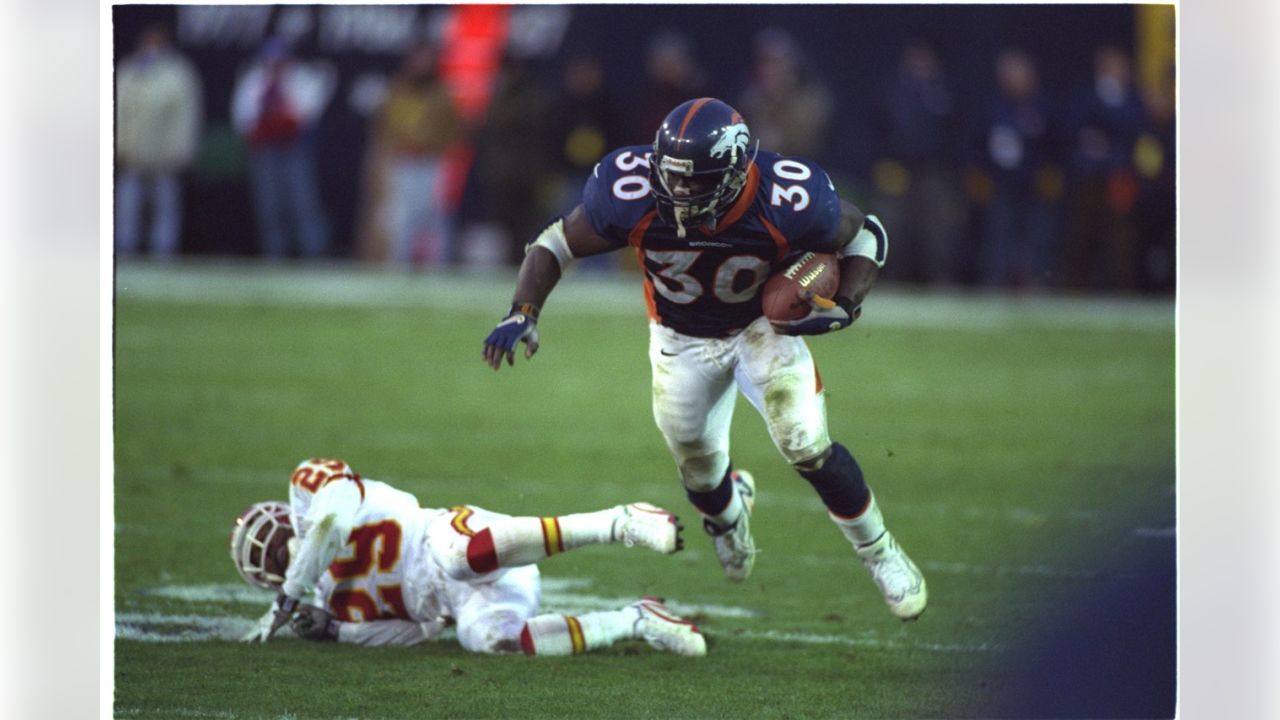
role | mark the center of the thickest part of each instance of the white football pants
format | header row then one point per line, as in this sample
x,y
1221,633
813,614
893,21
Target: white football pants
x,y
490,608
693,396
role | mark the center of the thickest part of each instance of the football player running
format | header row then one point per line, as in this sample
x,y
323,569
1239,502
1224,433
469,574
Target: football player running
x,y
710,216
385,571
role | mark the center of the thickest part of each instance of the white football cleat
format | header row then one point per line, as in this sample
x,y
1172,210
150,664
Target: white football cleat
x,y
899,580
666,631
734,545
648,526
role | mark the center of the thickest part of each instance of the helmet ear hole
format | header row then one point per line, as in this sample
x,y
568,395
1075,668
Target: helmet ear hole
x,y
277,559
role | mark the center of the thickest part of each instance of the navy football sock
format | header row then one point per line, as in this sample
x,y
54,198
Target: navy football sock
x,y
839,483
713,502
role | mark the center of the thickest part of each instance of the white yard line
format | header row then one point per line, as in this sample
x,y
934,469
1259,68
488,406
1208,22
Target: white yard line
x,y
222,593
560,595
865,642
175,712
148,627
961,568
162,628
1045,571
570,602
352,285
1019,516
557,594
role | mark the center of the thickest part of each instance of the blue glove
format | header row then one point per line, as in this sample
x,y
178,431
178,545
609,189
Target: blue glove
x,y
826,315
520,325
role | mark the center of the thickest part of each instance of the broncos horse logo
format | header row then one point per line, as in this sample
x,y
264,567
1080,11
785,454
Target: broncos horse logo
x,y
733,139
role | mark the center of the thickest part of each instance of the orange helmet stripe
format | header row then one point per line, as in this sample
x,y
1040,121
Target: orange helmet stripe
x,y
688,117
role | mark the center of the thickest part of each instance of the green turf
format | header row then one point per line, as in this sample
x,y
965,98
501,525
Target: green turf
x,y
1024,463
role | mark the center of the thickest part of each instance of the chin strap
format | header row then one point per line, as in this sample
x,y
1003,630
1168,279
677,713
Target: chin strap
x,y
681,214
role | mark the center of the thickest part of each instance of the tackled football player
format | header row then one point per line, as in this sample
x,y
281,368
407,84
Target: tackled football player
x,y
710,217
384,571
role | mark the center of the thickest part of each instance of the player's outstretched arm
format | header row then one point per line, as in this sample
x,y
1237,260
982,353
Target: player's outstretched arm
x,y
557,245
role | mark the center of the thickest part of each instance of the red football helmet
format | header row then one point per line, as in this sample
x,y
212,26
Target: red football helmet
x,y
260,543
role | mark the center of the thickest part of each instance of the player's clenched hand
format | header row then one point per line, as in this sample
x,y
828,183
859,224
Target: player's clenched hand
x,y
827,314
521,325
313,623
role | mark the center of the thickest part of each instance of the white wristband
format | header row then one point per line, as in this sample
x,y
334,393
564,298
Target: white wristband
x,y
870,242
553,240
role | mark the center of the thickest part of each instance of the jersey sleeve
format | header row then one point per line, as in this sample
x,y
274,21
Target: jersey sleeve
x,y
307,479
803,204
322,532
820,232
617,194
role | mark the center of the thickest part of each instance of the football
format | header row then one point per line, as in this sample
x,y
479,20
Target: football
x,y
782,299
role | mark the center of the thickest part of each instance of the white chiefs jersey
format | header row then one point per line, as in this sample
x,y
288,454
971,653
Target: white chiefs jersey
x,y
382,569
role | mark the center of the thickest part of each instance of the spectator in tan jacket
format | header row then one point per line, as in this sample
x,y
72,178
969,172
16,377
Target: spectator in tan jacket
x,y
158,118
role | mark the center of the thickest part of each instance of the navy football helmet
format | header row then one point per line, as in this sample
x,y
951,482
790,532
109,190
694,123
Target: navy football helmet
x,y
699,163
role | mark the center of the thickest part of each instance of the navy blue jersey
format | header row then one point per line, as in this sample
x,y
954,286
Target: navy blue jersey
x,y
707,284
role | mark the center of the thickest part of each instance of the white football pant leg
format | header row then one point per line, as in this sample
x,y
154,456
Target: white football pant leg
x,y
491,615
448,536
777,374
693,403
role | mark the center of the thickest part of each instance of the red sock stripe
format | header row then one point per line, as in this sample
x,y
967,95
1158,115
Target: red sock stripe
x,y
481,555
526,641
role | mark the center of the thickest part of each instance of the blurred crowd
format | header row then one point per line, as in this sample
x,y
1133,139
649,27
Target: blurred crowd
x,y
1003,186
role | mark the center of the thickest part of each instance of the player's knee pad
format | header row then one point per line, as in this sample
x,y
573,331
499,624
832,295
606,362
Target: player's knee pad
x,y
493,633
838,480
796,419
702,473
809,456
812,462
453,559
716,500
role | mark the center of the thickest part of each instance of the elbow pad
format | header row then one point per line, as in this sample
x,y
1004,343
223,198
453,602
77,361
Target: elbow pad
x,y
552,240
871,242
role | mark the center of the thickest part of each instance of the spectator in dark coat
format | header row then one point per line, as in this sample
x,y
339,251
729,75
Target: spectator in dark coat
x,y
1105,120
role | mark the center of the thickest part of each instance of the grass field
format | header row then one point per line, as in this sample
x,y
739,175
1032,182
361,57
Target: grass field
x,y
1022,451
